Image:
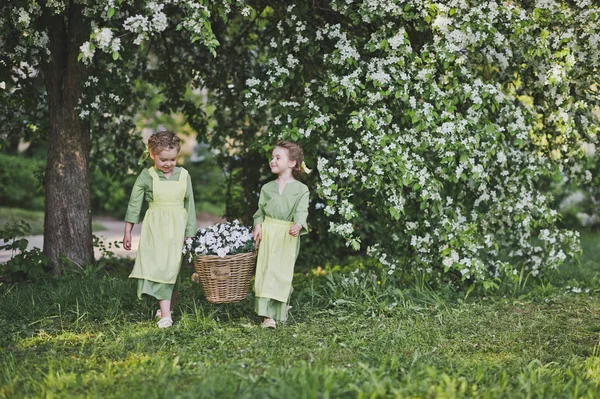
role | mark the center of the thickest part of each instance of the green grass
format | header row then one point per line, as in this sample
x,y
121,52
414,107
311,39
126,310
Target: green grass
x,y
35,219
349,336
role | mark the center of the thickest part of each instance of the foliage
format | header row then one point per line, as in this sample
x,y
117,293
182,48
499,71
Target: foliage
x,y
579,204
19,183
108,194
208,183
220,239
441,118
24,264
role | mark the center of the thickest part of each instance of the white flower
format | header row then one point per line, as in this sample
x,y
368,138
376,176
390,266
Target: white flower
x,y
222,251
159,22
24,18
396,41
442,23
115,45
252,82
103,37
381,77
88,52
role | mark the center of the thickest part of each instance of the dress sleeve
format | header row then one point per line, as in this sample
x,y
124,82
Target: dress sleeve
x,y
191,227
259,215
302,211
134,208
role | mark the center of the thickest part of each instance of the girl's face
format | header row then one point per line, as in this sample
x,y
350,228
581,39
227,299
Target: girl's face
x,y
280,162
165,160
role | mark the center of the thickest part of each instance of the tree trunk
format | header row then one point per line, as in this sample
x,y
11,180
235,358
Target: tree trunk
x,y
68,221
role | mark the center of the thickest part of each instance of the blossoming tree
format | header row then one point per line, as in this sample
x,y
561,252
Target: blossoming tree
x,y
67,67
434,122
439,118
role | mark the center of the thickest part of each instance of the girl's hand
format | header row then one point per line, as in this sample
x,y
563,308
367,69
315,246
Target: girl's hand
x,y
257,233
127,241
295,229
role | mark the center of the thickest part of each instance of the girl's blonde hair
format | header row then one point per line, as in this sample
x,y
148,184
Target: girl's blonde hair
x,y
163,140
295,153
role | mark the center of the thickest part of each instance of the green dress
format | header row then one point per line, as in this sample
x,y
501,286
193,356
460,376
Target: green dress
x,y
165,226
278,250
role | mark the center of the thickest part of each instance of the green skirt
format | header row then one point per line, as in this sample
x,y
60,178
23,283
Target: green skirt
x,y
160,291
267,307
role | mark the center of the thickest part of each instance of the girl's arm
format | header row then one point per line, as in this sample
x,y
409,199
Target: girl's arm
x,y
127,236
300,226
257,233
259,217
134,208
191,227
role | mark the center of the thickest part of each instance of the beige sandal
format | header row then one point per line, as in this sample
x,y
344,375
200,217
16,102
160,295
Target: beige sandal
x,y
165,323
269,323
158,314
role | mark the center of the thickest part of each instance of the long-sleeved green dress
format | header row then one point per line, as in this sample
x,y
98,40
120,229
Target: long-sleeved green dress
x,y
278,250
160,284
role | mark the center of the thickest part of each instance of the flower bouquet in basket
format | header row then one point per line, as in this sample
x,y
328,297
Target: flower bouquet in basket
x,y
224,260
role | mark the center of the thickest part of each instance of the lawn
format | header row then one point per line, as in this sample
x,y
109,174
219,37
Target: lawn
x,y
351,335
35,219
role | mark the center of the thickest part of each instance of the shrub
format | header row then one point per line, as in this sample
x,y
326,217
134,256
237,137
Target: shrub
x,y
20,184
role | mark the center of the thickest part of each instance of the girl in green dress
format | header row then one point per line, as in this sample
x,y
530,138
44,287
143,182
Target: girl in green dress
x,y
170,219
278,224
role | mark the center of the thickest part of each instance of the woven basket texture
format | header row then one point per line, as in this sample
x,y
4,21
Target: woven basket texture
x,y
225,279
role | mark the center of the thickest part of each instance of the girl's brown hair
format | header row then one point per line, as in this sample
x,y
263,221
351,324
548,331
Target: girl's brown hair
x,y
163,140
295,153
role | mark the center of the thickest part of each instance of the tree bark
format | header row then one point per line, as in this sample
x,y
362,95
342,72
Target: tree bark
x,y
68,221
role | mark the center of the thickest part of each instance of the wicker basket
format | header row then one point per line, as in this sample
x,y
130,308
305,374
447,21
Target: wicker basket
x,y
225,279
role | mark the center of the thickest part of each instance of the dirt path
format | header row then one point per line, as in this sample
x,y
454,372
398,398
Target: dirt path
x,y
113,231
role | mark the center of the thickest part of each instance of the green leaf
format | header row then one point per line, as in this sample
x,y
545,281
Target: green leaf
x,y
115,55
110,12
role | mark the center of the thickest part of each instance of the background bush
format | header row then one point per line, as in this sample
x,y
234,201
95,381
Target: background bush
x,y
20,184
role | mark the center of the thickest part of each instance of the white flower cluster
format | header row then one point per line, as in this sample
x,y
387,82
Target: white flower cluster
x,y
220,239
151,20
103,39
145,25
